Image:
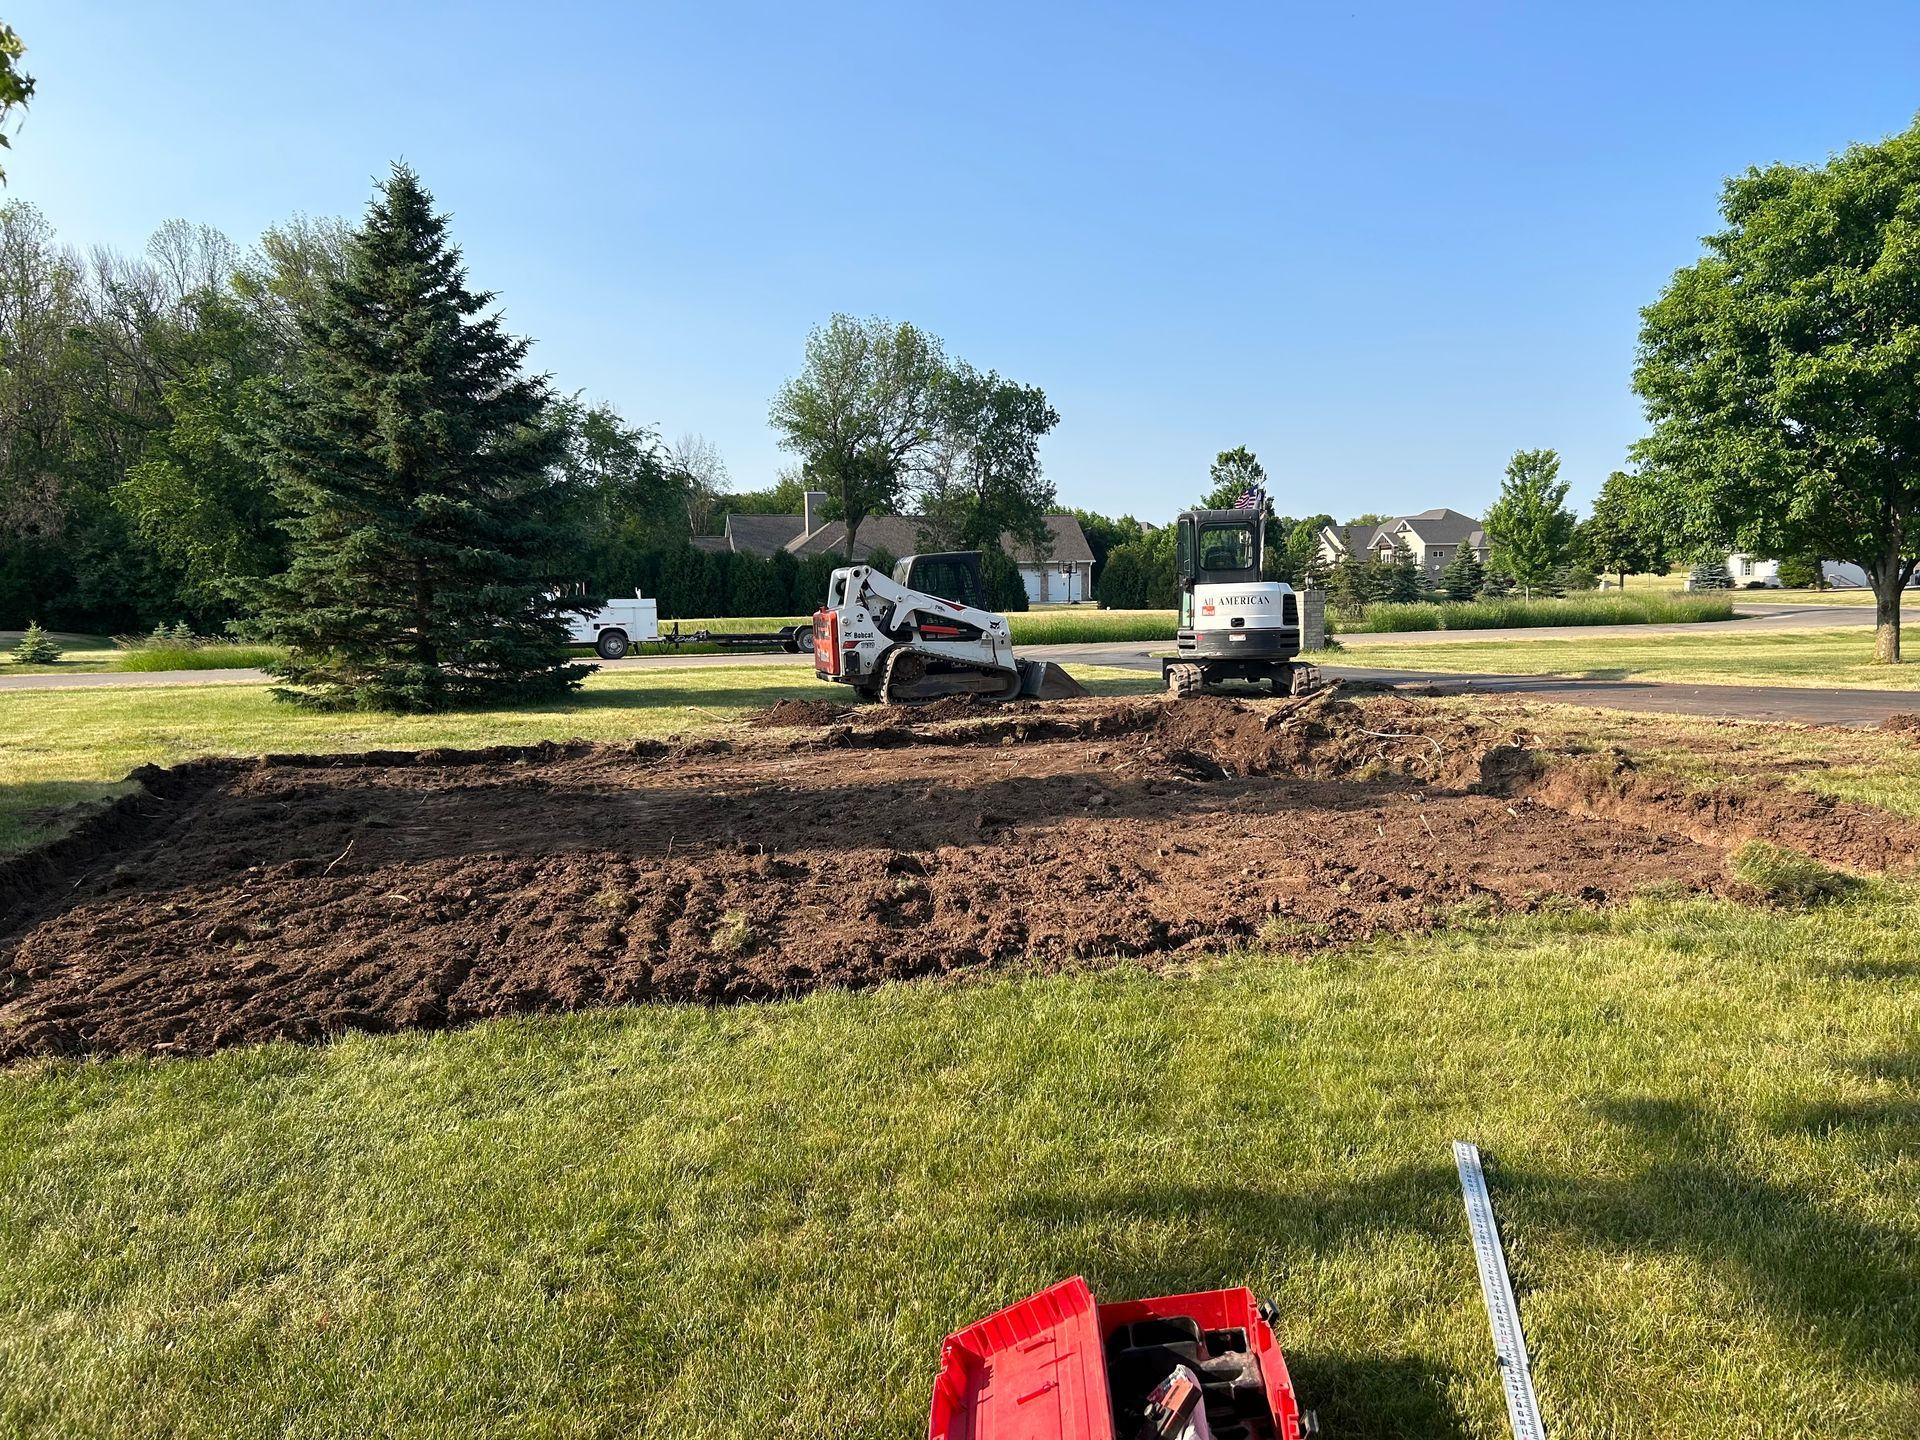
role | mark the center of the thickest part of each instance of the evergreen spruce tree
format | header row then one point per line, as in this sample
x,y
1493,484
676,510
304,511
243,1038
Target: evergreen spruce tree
x,y
1404,580
1464,575
1710,573
35,647
416,461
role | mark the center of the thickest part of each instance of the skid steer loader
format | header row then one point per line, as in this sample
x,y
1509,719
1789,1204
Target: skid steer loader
x,y
924,633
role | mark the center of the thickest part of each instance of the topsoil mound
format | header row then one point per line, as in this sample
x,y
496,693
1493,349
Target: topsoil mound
x,y
296,897
797,713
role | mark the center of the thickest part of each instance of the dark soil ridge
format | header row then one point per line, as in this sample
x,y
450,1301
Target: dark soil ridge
x,y
298,897
1611,788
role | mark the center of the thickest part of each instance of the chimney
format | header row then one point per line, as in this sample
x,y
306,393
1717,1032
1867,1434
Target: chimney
x,y
816,501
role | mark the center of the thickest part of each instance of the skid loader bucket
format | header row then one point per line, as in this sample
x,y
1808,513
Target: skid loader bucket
x,y
1044,680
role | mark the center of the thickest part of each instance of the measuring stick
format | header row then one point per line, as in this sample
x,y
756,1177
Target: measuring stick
x,y
1503,1313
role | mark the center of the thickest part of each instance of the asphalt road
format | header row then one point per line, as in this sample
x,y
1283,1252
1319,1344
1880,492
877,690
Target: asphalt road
x,y
1747,702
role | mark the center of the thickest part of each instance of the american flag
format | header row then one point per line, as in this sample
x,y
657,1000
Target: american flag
x,y
1251,498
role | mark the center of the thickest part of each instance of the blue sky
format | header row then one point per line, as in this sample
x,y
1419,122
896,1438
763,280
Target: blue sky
x,y
1384,245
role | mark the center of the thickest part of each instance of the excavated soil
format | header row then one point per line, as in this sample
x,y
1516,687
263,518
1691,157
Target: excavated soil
x,y
296,897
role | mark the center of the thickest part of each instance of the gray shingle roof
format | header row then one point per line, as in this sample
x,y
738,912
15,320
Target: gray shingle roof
x,y
1441,527
761,534
1434,527
900,535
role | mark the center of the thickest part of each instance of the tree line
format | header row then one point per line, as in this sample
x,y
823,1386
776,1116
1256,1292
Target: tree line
x,y
1536,544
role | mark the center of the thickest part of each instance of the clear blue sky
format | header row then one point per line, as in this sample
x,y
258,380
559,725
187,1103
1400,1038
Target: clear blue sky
x,y
1384,245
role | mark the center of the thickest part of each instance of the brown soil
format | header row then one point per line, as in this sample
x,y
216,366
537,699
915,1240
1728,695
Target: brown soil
x,y
299,896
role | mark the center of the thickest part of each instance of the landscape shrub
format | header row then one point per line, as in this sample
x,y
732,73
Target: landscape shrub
x,y
1800,573
1709,575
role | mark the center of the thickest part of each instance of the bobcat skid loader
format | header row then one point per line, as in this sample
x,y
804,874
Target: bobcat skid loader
x,y
923,634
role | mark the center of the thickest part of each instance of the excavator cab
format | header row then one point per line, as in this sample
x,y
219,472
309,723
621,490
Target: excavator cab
x,y
1233,624
1216,547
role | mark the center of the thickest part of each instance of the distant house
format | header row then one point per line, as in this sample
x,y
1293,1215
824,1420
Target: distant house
x,y
1059,572
1435,537
1749,571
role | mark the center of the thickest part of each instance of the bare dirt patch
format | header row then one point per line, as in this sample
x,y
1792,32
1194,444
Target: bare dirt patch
x,y
296,897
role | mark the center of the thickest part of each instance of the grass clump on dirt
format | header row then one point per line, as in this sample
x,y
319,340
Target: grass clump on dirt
x,y
1514,612
1788,878
761,1220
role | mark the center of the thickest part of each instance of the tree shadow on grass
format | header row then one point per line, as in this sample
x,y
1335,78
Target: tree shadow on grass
x,y
1244,1234
1852,1284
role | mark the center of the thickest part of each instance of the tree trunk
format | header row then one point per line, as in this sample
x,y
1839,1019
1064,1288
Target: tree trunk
x,y
1886,616
1889,576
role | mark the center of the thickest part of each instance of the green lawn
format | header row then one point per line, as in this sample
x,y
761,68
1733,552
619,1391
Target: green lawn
x,y
1814,658
78,653
60,747
760,1221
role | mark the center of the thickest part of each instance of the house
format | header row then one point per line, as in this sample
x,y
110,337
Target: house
x,y
1435,537
1749,572
1059,572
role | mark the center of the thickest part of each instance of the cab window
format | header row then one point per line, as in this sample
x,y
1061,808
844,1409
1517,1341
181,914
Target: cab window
x,y
950,580
1226,547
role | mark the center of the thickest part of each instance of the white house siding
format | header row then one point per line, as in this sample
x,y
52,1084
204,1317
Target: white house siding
x,y
1046,585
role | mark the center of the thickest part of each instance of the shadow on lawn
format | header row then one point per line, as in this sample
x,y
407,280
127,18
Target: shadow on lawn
x,y
1852,1284
1232,1234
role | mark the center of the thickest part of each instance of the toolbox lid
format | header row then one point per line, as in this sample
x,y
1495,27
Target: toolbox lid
x,y
1033,1371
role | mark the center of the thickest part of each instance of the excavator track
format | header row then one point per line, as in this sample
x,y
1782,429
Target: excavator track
x,y
913,677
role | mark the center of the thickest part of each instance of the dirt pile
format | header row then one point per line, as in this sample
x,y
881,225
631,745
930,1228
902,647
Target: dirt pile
x,y
795,713
293,898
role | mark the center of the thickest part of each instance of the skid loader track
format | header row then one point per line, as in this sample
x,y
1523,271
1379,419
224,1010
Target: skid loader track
x,y
911,677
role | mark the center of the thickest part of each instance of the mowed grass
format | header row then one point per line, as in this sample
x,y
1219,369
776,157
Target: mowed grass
x,y
1812,658
59,748
761,1220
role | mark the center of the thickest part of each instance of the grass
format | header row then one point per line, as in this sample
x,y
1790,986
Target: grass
x,y
218,655
1515,612
1810,658
1698,1121
63,747
1876,768
78,653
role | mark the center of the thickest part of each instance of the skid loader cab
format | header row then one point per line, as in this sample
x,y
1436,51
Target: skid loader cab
x,y
950,574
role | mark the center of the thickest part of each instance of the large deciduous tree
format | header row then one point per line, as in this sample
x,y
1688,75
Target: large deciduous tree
x,y
1780,372
983,480
1618,535
862,413
413,456
1232,473
16,86
1529,528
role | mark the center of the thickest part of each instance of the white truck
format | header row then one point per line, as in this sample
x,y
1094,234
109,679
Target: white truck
x,y
617,626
